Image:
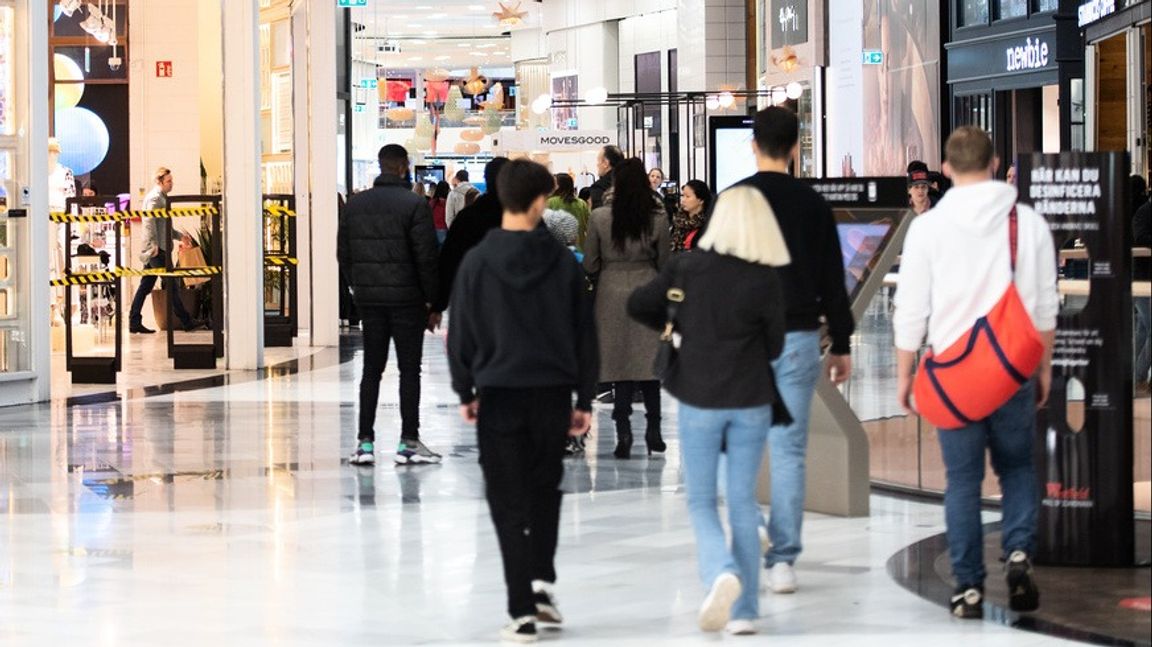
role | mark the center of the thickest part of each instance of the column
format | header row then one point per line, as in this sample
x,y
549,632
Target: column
x,y
243,222
301,168
31,82
323,320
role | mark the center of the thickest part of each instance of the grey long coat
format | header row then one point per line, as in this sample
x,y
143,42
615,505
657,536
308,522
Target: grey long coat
x,y
627,349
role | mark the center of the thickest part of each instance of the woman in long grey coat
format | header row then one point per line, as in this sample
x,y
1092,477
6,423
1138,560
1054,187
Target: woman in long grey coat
x,y
627,245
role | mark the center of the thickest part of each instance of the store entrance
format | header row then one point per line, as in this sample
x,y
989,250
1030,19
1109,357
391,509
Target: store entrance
x,y
1027,121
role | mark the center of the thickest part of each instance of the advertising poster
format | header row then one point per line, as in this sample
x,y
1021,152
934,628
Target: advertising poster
x,y
1084,435
901,108
565,88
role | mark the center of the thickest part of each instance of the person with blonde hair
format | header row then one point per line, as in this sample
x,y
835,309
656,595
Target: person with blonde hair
x,y
728,327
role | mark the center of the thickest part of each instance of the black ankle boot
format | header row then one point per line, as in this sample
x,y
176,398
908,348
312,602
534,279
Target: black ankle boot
x,y
652,437
623,438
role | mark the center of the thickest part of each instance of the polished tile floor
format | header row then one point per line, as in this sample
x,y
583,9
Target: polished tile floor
x,y
225,516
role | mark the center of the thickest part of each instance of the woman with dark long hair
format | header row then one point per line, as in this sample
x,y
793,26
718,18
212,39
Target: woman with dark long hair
x,y
627,245
565,199
695,200
439,204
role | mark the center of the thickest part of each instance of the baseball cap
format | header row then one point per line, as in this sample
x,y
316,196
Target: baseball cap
x,y
918,177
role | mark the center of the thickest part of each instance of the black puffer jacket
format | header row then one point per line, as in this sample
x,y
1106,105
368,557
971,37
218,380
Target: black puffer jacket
x,y
386,246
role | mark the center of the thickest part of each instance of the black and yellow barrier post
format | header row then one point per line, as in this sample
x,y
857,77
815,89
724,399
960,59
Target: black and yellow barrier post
x,y
197,354
281,296
91,369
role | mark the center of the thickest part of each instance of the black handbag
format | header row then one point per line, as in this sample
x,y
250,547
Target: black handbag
x,y
667,353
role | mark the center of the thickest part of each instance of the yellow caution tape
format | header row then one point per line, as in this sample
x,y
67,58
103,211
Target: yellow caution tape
x,y
89,278
121,216
280,212
281,260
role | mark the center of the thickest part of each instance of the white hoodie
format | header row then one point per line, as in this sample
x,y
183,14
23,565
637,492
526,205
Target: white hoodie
x,y
956,265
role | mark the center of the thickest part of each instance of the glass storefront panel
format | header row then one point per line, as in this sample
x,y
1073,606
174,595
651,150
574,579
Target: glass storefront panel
x,y
973,12
1046,5
1012,9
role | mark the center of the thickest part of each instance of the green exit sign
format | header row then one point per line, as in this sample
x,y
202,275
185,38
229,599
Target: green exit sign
x,y
351,3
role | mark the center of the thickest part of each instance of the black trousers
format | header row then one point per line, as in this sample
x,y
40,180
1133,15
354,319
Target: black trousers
x,y
147,283
622,406
522,434
405,326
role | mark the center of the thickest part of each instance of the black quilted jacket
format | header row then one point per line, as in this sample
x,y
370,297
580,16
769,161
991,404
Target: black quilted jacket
x,y
386,245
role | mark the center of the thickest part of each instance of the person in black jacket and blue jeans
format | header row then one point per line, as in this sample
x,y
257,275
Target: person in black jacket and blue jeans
x,y
814,289
386,245
731,326
522,340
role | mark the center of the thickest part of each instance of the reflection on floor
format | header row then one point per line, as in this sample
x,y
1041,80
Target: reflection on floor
x,y
226,516
1101,605
146,363
904,451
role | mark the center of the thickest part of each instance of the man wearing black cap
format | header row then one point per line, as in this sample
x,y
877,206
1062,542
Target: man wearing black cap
x,y
918,185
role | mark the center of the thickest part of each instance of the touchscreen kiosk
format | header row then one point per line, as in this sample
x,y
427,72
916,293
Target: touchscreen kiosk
x,y
872,217
731,156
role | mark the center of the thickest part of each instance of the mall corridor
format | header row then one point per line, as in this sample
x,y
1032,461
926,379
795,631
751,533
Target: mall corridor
x,y
229,515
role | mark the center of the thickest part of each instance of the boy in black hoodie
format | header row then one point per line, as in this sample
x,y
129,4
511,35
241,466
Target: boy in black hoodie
x,y
522,340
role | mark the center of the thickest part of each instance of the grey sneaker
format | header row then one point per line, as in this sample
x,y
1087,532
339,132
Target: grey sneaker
x,y
410,452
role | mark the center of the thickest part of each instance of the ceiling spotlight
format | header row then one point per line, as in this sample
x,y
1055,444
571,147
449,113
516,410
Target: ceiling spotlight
x,y
69,7
726,100
542,104
779,96
794,90
597,95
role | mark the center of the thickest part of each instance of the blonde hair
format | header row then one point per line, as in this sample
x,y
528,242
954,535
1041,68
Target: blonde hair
x,y
160,173
743,225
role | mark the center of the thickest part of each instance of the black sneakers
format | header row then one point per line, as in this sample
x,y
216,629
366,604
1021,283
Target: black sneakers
x,y
546,610
1023,596
520,630
968,603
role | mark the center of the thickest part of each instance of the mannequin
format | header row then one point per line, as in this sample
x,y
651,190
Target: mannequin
x,y
61,186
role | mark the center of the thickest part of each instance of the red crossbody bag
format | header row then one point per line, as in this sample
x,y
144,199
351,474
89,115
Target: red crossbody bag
x,y
982,370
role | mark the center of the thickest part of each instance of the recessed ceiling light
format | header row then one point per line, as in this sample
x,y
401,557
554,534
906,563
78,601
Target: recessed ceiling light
x,y
477,7
415,58
443,58
463,45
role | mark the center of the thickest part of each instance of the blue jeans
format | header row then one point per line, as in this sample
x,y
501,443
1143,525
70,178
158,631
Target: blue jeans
x,y
1008,435
797,370
1142,345
741,432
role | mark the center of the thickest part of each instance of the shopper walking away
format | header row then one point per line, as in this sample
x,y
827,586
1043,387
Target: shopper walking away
x,y
159,236
470,227
606,162
521,341
439,205
731,323
457,197
695,201
814,286
564,199
958,262
627,245
386,245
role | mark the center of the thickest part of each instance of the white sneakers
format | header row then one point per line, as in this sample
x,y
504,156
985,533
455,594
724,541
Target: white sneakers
x,y
782,578
741,627
717,607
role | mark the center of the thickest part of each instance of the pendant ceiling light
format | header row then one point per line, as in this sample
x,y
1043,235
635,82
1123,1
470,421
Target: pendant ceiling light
x,y
786,59
509,16
476,84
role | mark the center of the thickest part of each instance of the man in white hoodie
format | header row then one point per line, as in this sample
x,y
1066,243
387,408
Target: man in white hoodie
x,y
956,265
458,197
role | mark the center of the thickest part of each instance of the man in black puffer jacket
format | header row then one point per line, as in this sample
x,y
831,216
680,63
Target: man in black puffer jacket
x,y
386,246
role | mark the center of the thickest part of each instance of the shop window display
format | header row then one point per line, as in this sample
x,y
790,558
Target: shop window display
x,y
973,12
13,293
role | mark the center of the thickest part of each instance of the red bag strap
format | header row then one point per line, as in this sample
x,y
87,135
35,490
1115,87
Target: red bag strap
x,y
1012,236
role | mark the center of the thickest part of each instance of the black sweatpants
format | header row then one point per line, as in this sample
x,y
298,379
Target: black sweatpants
x,y
404,325
522,433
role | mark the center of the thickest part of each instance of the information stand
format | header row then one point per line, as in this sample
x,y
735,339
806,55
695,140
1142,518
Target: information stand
x,y
91,369
872,217
1085,470
201,355
281,323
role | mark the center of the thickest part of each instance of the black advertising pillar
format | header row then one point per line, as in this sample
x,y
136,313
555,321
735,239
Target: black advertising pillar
x,y
1084,435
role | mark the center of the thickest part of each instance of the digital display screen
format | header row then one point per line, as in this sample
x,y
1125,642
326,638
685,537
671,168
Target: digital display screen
x,y
735,159
864,235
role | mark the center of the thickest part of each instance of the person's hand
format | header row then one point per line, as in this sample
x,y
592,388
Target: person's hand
x,y
839,368
471,411
186,241
1043,386
581,423
434,319
904,394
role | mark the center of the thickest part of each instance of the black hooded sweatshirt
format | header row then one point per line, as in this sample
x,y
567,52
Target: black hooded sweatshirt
x,y
522,318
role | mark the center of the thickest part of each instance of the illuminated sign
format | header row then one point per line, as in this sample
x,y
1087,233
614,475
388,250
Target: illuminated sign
x,y
1032,55
1094,10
